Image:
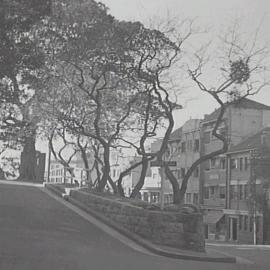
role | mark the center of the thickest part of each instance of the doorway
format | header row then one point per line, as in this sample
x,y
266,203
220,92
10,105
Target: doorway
x,y
205,231
233,229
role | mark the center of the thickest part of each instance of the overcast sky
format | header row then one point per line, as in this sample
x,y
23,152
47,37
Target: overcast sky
x,y
211,14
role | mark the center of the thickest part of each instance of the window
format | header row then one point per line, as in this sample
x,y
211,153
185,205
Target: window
x,y
183,172
196,172
263,139
212,191
183,147
154,197
206,137
188,197
190,145
145,196
246,163
196,145
241,164
223,163
240,222
233,192
251,221
222,192
241,192
246,193
207,165
233,163
206,192
213,163
195,198
245,222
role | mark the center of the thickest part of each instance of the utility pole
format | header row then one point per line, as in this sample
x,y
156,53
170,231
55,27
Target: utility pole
x,y
49,162
253,194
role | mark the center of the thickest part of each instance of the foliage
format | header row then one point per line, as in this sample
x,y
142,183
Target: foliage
x,y
103,75
239,71
20,61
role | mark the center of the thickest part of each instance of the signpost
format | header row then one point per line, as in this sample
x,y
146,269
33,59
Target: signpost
x,y
157,163
161,164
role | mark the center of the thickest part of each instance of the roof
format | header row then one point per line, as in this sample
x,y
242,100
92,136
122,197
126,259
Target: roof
x,y
212,217
243,103
176,135
250,142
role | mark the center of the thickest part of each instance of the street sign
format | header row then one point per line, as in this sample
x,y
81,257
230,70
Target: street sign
x,y
171,163
162,163
155,163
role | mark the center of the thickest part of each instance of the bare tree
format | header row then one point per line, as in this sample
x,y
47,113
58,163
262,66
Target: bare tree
x,y
241,72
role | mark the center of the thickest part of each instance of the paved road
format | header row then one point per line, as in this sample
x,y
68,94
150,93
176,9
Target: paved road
x,y
37,232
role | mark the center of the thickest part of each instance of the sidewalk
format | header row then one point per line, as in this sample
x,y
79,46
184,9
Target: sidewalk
x,y
208,256
218,244
229,244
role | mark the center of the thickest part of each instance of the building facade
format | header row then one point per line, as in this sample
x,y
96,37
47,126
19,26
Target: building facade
x,y
184,149
247,179
240,120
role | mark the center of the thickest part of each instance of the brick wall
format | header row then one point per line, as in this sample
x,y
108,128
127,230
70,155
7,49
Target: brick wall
x,y
165,228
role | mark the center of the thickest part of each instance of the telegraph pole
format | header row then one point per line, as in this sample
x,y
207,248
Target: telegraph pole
x,y
253,194
49,163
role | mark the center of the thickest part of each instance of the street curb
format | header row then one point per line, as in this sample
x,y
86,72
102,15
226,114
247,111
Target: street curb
x,y
137,239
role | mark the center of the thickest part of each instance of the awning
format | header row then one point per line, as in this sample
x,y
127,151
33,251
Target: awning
x,y
212,217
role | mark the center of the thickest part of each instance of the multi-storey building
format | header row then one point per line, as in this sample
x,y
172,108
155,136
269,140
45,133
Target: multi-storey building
x,y
151,190
246,222
240,120
60,174
184,149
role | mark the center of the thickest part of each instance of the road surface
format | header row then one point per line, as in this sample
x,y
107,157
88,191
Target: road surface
x,y
38,232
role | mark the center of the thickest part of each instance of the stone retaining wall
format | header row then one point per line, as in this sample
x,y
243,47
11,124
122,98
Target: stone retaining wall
x,y
173,229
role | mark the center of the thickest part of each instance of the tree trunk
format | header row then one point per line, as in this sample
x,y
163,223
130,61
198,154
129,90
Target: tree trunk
x,y
139,185
177,198
106,170
86,166
113,185
123,174
28,161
